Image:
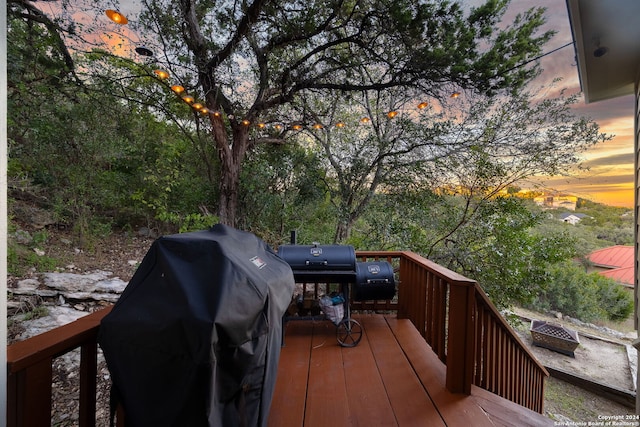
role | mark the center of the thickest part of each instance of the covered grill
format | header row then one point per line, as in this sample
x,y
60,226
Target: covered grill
x,y
195,338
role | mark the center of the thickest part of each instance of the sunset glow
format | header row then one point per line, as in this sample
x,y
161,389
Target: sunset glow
x,y
610,175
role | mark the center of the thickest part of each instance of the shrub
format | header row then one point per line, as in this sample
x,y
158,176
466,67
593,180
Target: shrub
x,y
586,296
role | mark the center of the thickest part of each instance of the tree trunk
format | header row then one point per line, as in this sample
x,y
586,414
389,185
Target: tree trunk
x,y
229,185
231,158
343,229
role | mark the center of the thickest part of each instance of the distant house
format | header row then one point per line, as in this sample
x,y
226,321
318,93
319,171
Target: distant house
x,y
572,218
555,201
616,262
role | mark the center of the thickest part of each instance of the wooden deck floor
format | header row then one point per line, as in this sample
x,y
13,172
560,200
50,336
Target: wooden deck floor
x,y
391,378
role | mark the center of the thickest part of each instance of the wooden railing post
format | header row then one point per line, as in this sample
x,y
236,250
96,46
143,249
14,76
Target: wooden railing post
x,y
30,372
460,340
29,395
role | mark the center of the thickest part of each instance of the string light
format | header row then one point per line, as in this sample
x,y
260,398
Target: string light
x,y
317,126
177,88
392,114
197,106
423,105
246,122
365,120
116,16
162,74
143,51
455,94
188,99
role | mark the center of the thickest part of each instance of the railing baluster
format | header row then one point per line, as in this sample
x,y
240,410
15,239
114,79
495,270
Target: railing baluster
x,y
88,375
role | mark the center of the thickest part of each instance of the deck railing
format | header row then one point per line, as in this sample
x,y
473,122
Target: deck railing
x,y
30,372
450,311
466,331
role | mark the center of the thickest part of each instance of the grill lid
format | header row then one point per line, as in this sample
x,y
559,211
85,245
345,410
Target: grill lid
x,y
321,263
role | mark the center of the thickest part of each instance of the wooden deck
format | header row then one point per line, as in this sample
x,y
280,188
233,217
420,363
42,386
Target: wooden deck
x,y
392,378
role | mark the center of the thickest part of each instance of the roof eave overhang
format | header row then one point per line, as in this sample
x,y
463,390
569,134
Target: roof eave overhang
x,y
610,24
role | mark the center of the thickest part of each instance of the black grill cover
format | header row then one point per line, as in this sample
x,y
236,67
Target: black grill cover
x,y
195,338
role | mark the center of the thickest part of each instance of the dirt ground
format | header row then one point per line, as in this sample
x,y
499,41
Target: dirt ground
x,y
600,357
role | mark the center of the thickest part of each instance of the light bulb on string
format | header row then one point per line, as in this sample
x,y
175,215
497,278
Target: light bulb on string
x,y
143,51
116,17
161,74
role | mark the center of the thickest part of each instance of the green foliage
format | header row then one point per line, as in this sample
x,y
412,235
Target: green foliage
x,y
36,313
189,222
282,191
490,240
21,259
586,296
421,183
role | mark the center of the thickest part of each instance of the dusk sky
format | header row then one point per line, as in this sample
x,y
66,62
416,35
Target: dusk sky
x,y
610,178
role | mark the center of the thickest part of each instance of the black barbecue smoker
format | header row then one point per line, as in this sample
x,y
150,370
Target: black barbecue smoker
x,y
372,280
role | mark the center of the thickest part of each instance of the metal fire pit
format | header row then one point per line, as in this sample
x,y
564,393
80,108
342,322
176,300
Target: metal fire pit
x,y
554,337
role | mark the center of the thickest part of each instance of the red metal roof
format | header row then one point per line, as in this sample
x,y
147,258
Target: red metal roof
x,y
623,275
619,260
613,257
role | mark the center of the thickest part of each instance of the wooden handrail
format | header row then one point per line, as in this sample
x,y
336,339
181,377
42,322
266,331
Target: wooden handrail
x,y
466,331
450,311
30,372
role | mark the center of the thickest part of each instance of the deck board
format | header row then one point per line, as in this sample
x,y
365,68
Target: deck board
x,y
366,393
391,378
408,397
326,391
454,408
293,376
